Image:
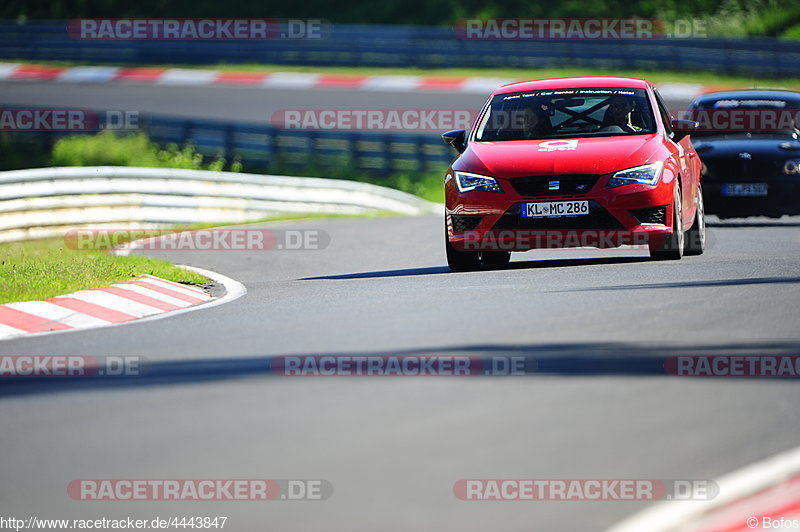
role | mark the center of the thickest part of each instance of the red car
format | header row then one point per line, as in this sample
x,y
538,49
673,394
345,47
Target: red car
x,y
572,162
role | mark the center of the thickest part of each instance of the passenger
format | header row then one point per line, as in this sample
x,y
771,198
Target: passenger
x,y
618,114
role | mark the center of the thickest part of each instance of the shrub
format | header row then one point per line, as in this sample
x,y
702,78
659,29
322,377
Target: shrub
x,y
110,149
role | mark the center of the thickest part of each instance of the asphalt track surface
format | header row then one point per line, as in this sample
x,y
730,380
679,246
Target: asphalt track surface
x,y
249,104
598,324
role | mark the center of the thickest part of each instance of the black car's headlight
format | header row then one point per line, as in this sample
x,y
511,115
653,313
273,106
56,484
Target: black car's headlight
x,y
792,168
647,174
466,181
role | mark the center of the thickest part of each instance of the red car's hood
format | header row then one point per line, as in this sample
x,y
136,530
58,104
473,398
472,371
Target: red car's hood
x,y
599,155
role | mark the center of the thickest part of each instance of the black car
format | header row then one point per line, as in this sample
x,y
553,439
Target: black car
x,y
749,143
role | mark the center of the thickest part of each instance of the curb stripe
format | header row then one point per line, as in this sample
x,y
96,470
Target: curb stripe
x,y
174,291
139,74
6,331
196,289
289,80
88,74
112,310
170,292
774,501
240,78
341,80
7,70
392,83
140,298
442,84
145,297
739,486
26,71
56,313
114,302
90,309
185,76
28,322
139,289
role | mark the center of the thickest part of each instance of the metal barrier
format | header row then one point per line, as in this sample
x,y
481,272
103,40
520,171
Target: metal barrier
x,y
45,202
418,46
263,148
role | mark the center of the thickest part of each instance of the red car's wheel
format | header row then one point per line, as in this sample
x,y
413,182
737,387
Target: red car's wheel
x,y
460,261
672,248
696,235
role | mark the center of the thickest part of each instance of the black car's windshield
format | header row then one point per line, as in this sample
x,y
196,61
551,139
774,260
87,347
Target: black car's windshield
x,y
745,103
738,135
750,116
565,113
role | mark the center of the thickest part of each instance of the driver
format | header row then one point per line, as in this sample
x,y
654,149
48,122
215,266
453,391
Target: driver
x,y
618,113
535,122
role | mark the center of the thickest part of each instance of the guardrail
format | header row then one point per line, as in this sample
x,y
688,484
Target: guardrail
x,y
261,147
264,148
45,202
418,46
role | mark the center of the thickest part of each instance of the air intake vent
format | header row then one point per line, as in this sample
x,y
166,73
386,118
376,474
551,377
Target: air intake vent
x,y
464,224
652,215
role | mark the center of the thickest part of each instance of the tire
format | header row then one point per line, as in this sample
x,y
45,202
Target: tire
x,y
495,258
672,249
695,242
460,261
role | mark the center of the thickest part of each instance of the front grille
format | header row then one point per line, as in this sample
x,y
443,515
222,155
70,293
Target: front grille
x,y
554,185
652,215
734,168
463,224
597,219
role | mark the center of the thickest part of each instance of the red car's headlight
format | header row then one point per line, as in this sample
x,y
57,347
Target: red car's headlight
x,y
647,174
466,182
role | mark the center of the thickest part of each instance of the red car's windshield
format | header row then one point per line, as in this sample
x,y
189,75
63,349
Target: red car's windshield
x,y
567,113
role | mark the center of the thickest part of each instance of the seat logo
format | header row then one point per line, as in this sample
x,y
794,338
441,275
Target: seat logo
x,y
553,185
558,145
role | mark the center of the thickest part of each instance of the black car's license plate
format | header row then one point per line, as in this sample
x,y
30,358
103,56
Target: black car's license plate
x,y
745,189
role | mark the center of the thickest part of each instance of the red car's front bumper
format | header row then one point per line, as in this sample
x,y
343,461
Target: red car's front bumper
x,y
634,214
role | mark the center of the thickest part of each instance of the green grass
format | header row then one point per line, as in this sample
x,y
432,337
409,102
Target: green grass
x,y
429,186
660,76
39,269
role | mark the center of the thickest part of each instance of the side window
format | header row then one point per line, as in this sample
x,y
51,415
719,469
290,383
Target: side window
x,y
664,114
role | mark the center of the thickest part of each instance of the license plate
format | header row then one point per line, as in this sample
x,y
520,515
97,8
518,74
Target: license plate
x,y
744,189
554,209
